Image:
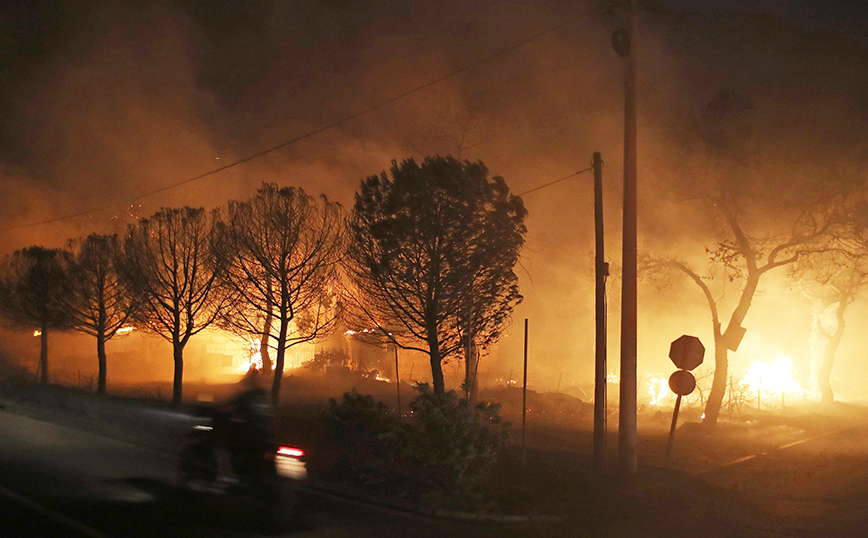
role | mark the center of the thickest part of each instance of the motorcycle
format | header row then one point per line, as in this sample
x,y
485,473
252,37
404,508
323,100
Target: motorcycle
x,y
266,479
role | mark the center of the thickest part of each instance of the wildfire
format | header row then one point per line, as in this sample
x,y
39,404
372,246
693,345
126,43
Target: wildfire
x,y
251,358
364,331
659,389
125,330
775,377
37,333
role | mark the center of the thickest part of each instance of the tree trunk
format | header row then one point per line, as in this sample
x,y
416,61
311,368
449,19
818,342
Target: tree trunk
x,y
436,363
177,382
718,383
471,366
279,361
721,352
101,356
43,355
829,355
264,353
100,346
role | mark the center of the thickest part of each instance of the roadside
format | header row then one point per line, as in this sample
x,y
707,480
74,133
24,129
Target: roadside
x,y
553,490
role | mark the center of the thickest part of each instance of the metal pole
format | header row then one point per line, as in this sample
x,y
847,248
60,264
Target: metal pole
x,y
601,270
398,382
524,404
627,445
672,428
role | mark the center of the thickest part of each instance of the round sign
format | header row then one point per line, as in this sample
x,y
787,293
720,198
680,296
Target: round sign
x,y
682,382
686,352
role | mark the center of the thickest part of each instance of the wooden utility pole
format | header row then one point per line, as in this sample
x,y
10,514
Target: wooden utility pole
x,y
524,405
601,270
398,382
627,409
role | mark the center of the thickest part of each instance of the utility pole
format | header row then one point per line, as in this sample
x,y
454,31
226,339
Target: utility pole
x,y
601,271
398,381
625,45
524,405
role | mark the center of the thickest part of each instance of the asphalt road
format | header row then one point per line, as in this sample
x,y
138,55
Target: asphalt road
x,y
60,481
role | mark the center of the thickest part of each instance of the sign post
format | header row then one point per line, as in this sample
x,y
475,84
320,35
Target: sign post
x,y
686,353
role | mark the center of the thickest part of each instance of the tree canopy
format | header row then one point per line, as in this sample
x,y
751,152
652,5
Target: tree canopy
x,y
282,250
33,282
99,302
171,264
431,253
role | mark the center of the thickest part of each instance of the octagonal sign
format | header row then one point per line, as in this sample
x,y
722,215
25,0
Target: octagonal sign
x,y
686,352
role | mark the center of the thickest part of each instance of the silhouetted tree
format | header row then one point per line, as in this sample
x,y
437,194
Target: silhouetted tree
x,y
100,302
431,256
33,282
809,217
283,250
171,265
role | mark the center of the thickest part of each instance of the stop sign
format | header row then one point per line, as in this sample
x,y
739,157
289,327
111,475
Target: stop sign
x,y
682,382
687,352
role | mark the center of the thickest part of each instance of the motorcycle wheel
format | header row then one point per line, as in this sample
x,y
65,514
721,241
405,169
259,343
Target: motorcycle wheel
x,y
198,465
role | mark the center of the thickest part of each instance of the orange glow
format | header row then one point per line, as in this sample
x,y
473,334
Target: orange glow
x,y
250,356
775,377
659,390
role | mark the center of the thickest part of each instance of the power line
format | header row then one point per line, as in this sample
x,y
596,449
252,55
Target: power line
x,y
550,183
326,127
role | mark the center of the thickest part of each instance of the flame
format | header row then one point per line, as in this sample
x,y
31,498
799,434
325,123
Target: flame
x,y
659,389
125,330
381,378
774,377
363,331
251,358
37,333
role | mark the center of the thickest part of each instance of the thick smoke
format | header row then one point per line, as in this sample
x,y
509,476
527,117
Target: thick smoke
x,y
121,99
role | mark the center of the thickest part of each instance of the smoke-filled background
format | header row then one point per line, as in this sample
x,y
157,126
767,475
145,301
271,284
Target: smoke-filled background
x,y
109,108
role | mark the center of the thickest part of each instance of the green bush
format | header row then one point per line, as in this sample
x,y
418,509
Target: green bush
x,y
446,445
356,426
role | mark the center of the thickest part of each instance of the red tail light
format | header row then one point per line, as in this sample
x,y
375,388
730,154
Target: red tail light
x,y
290,451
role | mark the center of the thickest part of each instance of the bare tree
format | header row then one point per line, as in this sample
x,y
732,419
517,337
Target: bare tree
x,y
171,264
819,227
99,302
33,282
283,250
431,256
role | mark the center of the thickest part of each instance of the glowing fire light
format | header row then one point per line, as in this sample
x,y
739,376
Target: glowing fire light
x,y
381,378
364,331
252,357
774,377
37,333
125,330
659,389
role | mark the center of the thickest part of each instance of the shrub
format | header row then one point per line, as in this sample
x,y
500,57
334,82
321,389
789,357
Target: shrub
x,y
447,445
357,426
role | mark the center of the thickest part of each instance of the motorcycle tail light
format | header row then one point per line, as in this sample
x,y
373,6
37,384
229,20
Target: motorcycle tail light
x,y
290,451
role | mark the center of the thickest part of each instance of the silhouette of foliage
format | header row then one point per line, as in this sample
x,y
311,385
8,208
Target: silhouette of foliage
x,y
33,282
431,254
100,302
171,264
282,250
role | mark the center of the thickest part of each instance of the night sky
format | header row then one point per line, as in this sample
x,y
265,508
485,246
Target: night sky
x,y
104,102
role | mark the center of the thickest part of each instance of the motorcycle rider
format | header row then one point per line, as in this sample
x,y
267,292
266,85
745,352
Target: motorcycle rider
x,y
247,426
